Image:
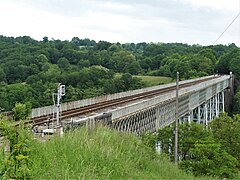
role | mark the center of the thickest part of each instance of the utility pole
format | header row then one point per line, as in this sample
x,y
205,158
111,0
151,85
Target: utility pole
x,y
176,122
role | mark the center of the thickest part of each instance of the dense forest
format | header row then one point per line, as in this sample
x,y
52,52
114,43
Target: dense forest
x,y
30,70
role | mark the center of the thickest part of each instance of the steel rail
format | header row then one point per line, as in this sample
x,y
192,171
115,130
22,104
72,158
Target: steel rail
x,y
107,104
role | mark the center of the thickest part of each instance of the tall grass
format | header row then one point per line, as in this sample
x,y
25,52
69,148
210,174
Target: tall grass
x,y
102,154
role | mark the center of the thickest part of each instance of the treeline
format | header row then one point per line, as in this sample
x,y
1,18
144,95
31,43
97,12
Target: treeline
x,y
30,70
210,151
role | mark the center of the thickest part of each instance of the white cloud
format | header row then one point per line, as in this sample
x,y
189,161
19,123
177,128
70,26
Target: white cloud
x,y
232,5
187,21
23,20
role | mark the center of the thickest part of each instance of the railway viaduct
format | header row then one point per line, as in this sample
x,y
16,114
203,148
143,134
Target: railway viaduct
x,y
148,109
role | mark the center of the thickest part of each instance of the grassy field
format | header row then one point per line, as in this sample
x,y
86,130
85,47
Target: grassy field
x,y
151,80
102,154
155,80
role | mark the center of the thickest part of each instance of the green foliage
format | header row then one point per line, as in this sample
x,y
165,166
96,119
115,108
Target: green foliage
x,y
10,94
42,62
165,71
83,42
101,154
205,151
63,63
128,82
229,62
208,158
236,103
122,60
188,135
133,68
150,140
29,68
2,75
22,111
15,164
226,131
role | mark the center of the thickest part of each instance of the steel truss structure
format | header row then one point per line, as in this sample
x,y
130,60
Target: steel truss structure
x,y
206,111
201,107
200,103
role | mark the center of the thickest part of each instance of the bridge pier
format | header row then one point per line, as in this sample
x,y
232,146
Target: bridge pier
x,y
229,93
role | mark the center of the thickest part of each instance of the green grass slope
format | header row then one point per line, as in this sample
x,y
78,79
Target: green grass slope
x,y
102,154
155,80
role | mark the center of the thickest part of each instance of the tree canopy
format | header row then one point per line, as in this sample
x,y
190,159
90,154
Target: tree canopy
x,y
30,70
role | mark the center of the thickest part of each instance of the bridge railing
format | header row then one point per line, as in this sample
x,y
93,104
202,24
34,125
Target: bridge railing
x,y
48,110
207,86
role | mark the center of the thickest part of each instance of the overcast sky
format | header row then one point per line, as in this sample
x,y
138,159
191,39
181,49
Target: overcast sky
x,y
186,21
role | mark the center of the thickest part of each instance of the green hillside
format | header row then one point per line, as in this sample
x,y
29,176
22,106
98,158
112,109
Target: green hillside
x,y
103,154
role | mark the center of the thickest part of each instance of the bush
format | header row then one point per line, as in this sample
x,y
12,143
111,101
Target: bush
x,y
208,158
22,111
202,150
15,164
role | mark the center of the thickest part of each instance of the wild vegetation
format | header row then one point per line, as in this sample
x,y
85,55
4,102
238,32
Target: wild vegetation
x,y
100,154
15,151
30,70
212,150
205,153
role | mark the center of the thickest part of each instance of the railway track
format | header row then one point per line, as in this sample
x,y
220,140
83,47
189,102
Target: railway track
x,y
111,103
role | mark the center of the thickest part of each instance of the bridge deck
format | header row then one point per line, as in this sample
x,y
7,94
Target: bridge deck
x,y
122,104
37,112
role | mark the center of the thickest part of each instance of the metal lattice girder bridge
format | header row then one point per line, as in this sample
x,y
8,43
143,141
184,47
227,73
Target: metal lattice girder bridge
x,y
148,109
200,103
